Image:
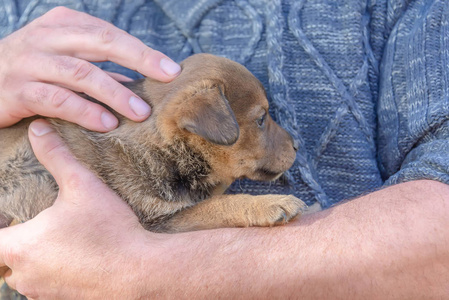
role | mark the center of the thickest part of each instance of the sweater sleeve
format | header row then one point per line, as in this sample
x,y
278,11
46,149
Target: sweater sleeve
x,y
413,109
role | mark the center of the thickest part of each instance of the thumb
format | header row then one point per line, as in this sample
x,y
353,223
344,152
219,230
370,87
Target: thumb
x,y
53,154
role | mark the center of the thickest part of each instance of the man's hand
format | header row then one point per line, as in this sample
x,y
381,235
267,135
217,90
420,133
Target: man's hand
x,y
73,249
44,62
390,244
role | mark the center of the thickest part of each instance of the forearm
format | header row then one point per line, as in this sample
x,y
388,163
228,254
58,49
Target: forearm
x,y
389,244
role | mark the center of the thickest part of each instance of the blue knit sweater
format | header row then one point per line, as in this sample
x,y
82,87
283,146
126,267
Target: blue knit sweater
x,y
363,84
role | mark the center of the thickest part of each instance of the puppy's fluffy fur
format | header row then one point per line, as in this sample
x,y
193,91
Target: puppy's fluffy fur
x,y
209,127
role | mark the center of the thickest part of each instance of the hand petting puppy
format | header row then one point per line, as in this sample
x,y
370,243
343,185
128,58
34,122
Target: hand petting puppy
x,y
44,62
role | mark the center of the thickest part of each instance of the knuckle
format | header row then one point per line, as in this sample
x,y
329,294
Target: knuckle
x,y
85,110
63,63
82,70
13,255
117,92
108,87
114,90
69,67
59,97
107,35
146,55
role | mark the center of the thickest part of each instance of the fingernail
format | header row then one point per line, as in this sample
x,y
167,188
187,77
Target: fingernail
x,y
139,107
169,67
40,129
108,120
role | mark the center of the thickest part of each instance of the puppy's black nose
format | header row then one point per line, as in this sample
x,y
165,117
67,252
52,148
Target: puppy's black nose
x,y
295,144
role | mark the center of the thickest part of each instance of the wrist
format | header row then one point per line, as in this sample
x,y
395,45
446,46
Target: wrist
x,y
148,269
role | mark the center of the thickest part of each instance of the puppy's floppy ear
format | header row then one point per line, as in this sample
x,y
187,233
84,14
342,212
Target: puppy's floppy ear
x,y
208,114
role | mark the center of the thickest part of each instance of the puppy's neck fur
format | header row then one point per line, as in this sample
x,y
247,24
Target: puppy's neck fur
x,y
175,172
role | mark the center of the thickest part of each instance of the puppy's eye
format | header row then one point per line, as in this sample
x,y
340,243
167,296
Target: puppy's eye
x,y
261,120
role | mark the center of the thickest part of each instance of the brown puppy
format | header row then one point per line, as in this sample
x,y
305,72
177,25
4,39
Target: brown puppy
x,y
209,127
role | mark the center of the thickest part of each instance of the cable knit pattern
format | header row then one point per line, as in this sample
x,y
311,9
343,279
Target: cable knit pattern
x,y
414,127
362,84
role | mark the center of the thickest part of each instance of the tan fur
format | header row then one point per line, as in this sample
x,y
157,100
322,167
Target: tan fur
x,y
203,134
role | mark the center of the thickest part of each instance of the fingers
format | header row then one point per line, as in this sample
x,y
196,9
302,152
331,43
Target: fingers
x,y
8,256
82,76
119,77
8,278
54,101
55,49
20,285
55,156
98,40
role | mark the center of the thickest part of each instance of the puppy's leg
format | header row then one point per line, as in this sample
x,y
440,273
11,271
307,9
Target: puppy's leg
x,y
234,211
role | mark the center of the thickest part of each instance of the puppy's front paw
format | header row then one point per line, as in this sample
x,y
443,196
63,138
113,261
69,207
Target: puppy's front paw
x,y
277,210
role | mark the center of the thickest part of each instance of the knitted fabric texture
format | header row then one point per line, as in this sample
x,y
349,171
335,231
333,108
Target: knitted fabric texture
x,y
363,85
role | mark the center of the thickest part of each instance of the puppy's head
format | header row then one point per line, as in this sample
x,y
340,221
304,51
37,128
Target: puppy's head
x,y
221,110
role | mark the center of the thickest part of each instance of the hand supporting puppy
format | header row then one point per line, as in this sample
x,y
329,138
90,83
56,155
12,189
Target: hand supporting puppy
x,y
89,245
38,252
42,63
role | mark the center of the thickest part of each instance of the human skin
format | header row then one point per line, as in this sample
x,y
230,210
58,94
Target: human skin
x,y
390,244
42,64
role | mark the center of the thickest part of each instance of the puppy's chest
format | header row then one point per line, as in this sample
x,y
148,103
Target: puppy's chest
x,y
173,173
